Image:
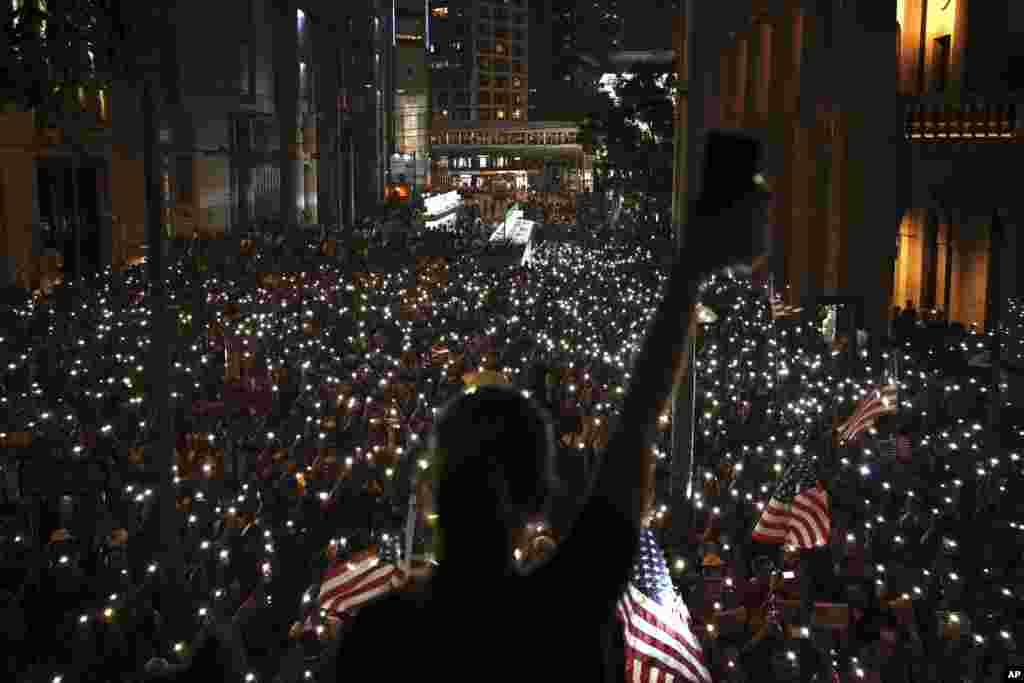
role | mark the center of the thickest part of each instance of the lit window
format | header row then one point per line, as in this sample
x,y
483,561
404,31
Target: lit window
x,y
300,18
517,114
501,114
440,11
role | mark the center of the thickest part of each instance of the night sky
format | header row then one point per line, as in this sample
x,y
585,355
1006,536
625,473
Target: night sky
x,y
648,24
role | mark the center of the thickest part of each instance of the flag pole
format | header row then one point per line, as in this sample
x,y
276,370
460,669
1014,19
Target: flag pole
x,y
410,532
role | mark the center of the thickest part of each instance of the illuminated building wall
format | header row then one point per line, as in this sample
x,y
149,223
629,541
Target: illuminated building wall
x,y
921,229
412,96
480,61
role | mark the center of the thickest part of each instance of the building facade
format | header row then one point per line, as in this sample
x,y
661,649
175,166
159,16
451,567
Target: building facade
x,y
886,124
479,61
257,100
544,156
410,159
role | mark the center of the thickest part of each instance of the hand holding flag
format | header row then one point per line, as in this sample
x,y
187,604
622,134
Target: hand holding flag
x,y
798,512
660,647
881,402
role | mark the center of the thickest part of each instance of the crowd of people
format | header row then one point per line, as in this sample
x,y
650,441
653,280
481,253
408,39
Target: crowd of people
x,y
400,342
302,405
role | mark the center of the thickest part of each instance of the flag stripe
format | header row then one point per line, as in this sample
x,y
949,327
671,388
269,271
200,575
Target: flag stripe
x,y
371,590
367,582
348,585
651,637
346,577
882,402
867,419
646,609
804,523
811,508
659,646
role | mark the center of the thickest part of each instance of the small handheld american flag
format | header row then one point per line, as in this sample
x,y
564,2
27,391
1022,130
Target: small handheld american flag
x,y
439,353
879,403
660,648
349,584
798,512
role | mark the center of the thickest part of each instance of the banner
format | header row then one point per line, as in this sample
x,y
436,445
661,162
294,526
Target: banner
x,y
439,204
518,232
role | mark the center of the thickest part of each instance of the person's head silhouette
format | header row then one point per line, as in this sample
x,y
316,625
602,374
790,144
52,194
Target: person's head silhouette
x,y
494,449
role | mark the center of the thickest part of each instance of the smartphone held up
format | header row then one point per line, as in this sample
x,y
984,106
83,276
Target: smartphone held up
x,y
735,188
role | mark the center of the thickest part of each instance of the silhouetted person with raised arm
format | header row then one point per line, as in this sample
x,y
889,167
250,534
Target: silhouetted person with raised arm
x,y
493,457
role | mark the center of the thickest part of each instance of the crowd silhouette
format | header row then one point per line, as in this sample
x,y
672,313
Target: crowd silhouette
x,y
91,599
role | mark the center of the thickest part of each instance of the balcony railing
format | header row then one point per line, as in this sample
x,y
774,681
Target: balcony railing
x,y
536,165
988,122
498,137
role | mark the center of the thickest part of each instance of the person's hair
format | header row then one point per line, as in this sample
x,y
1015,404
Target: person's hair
x,y
495,442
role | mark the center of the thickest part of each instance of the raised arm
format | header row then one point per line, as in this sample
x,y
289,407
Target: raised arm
x,y
624,475
608,525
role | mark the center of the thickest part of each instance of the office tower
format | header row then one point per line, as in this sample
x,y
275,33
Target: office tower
x,y
479,61
411,92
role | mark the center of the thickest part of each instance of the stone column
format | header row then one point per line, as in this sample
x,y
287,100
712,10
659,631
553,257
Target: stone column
x,y
351,176
106,212
929,272
949,295
764,66
740,83
878,165
912,47
286,95
784,137
835,272
310,165
328,63
10,267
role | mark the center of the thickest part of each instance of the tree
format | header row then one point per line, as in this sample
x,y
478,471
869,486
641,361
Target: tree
x,y
55,49
639,130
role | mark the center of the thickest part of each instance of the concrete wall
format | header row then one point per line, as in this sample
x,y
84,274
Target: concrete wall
x,y
17,182
213,197
128,193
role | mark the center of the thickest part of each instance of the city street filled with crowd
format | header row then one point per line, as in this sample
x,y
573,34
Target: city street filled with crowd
x,y
302,401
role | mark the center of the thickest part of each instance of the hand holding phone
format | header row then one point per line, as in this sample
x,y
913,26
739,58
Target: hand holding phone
x,y
732,227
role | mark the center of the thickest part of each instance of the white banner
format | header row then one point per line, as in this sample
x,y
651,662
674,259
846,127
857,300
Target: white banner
x,y
439,204
518,231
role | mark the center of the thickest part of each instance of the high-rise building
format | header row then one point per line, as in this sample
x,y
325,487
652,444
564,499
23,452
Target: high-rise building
x,y
410,157
540,67
582,31
479,61
274,108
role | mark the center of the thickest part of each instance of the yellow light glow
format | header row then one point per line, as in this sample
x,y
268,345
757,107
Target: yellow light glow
x,y
941,18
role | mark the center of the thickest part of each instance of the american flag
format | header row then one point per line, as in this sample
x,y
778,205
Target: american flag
x,y
354,582
879,403
798,512
660,648
439,352
780,309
